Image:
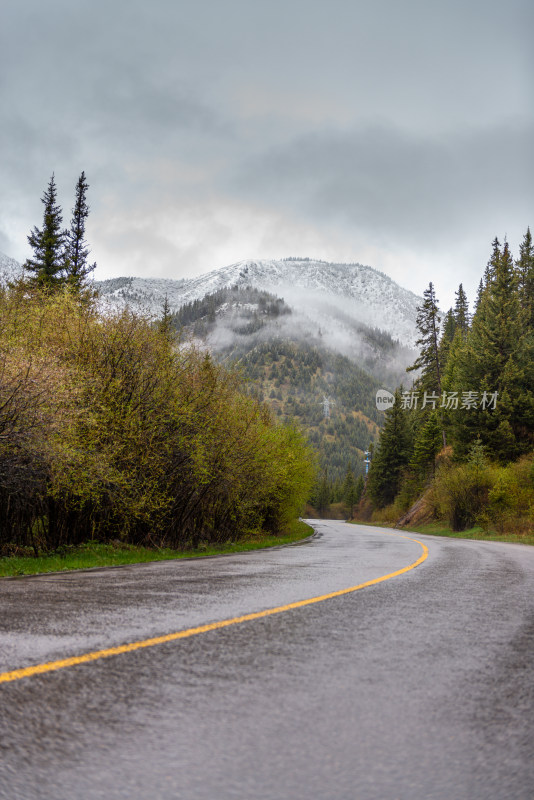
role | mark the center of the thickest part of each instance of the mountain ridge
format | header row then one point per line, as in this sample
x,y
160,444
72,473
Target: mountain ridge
x,y
332,297
298,330
356,290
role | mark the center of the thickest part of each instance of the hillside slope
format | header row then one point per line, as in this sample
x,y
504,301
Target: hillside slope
x,y
293,371
323,292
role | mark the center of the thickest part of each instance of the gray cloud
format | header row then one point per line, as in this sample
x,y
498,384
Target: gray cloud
x,y
215,131
399,186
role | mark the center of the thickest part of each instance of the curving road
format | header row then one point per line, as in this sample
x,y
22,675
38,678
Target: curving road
x,y
416,686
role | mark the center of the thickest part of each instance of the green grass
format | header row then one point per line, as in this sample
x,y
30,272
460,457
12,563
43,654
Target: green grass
x,y
441,529
95,554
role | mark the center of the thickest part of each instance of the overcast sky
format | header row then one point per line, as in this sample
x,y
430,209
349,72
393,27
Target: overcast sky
x,y
395,134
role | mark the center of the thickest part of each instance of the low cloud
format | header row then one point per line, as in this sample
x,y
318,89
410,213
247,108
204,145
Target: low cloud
x,y
395,186
215,132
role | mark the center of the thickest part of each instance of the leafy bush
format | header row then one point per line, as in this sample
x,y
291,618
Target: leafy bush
x,y
493,497
511,499
461,493
108,430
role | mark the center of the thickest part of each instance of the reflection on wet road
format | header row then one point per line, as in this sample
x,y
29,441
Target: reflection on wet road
x,y
415,687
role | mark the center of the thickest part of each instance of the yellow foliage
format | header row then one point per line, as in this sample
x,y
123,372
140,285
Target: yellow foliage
x,y
108,430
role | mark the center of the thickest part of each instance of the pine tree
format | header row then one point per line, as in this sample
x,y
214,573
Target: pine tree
x,y
449,329
76,251
46,266
165,323
428,323
497,357
392,456
492,266
485,289
498,328
461,311
480,293
427,445
525,270
430,357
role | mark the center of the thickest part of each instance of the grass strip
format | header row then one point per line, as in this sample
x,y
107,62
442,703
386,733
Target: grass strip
x,y
96,554
441,529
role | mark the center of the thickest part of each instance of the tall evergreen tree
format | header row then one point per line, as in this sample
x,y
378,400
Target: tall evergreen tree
x,y
492,266
461,311
76,250
430,355
392,456
498,329
45,268
428,323
525,270
496,358
428,442
486,283
480,292
165,324
447,336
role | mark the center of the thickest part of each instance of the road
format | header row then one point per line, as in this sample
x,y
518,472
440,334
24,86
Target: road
x,y
416,687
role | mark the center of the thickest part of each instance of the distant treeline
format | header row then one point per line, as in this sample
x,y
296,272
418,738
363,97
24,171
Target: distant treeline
x,y
295,377
206,307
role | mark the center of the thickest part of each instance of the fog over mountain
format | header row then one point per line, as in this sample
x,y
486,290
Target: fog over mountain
x,y
331,303
299,330
317,288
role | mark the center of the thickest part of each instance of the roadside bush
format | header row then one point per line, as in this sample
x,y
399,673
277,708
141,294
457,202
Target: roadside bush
x,y
387,515
109,430
511,498
460,494
500,498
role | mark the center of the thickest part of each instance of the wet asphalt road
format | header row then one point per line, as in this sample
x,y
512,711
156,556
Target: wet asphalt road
x,y
416,688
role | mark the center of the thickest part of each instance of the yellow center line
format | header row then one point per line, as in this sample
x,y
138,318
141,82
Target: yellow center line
x,y
51,666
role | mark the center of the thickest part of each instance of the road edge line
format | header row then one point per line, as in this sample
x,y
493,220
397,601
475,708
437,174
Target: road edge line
x,y
53,666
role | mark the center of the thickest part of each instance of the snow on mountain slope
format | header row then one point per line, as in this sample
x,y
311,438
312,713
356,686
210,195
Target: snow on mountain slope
x,y
331,296
10,269
317,289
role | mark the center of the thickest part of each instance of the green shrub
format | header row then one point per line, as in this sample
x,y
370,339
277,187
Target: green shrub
x,y
110,431
461,493
493,497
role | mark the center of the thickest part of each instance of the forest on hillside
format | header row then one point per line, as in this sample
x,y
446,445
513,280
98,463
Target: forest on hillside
x,y
464,432
330,397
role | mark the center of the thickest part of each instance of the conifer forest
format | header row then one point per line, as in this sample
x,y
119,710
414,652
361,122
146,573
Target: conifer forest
x,y
461,438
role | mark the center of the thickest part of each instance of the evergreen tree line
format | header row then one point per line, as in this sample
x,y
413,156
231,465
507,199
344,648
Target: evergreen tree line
x,y
206,307
294,378
343,495
473,396
60,255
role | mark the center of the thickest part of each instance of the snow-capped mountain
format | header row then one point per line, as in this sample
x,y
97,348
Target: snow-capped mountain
x,y
320,290
330,297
